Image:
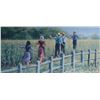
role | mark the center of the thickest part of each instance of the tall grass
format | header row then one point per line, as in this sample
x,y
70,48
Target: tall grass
x,y
11,53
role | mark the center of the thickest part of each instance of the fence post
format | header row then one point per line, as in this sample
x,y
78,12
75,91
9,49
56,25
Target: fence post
x,y
82,57
38,67
60,48
89,57
51,65
95,58
73,60
20,68
62,62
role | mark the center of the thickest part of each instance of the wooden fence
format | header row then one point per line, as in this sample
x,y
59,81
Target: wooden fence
x,y
62,60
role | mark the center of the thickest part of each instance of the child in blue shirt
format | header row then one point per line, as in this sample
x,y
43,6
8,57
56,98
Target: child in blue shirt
x,y
63,42
74,38
58,45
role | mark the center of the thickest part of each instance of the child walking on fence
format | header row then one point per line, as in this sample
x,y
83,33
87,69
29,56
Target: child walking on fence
x,y
74,38
26,59
63,42
41,50
58,45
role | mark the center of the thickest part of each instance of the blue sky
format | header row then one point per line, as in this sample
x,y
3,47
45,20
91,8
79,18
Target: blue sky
x,y
85,31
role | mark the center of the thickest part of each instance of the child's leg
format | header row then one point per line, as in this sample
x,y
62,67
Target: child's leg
x,y
55,50
27,63
64,49
59,49
44,50
74,44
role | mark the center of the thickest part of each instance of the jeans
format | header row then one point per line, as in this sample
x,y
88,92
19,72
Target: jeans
x,y
57,49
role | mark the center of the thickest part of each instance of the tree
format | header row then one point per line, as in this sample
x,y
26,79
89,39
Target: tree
x,y
95,36
28,32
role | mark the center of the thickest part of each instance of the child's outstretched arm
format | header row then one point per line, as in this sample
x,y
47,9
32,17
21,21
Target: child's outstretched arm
x,y
37,43
22,46
32,48
68,36
51,37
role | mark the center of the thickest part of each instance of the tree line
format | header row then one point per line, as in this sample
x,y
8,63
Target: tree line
x,y
22,33
28,32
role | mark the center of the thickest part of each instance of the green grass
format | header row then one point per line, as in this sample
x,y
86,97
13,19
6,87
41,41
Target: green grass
x,y
11,53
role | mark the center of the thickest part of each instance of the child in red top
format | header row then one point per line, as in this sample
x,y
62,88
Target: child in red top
x,y
41,51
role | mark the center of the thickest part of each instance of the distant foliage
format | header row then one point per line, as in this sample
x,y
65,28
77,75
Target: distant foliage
x,y
28,32
95,36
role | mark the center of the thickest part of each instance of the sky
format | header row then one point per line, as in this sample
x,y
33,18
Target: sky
x,y
85,31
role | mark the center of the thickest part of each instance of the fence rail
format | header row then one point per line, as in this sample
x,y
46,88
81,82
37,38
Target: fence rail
x,y
62,60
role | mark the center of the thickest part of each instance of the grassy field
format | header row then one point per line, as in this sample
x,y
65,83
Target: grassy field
x,y
11,53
